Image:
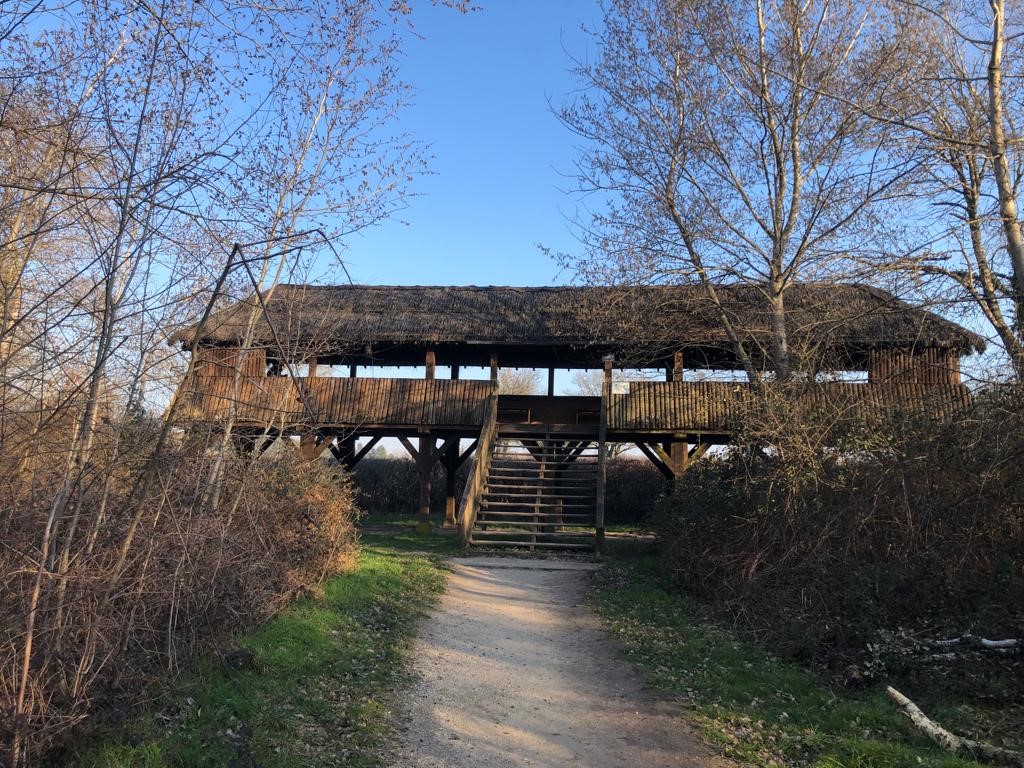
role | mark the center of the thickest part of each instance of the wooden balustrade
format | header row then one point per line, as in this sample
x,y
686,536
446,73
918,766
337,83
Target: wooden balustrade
x,y
478,473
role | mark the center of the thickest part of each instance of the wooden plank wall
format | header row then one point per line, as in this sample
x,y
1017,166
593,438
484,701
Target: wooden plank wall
x,y
679,406
923,366
706,406
222,361
341,402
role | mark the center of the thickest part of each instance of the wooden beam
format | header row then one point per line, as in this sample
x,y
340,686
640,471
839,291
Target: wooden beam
x,y
425,462
455,372
352,371
551,382
431,364
656,460
535,448
363,451
269,441
677,366
407,444
339,454
346,446
663,455
311,445
311,367
450,460
574,454
698,451
602,469
467,453
445,447
494,367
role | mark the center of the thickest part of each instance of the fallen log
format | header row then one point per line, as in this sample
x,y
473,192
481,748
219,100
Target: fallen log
x,y
958,745
1013,644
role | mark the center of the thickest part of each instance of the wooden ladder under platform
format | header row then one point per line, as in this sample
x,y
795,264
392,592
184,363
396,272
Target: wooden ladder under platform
x,y
539,493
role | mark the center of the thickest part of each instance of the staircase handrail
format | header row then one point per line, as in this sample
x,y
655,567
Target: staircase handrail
x,y
478,474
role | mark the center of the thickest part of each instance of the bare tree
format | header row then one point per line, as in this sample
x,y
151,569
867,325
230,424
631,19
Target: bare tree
x,y
143,143
519,381
961,117
715,157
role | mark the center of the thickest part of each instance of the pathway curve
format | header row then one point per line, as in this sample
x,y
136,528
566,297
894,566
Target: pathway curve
x,y
513,670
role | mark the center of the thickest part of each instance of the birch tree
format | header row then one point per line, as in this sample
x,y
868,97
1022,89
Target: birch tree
x,y
711,154
962,114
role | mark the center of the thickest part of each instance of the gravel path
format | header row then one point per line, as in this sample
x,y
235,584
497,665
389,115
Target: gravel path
x,y
513,670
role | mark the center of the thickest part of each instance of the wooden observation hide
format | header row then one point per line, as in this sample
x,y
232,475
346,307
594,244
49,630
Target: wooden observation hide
x,y
537,477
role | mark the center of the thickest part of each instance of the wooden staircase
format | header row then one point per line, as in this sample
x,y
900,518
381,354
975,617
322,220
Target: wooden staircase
x,y
539,493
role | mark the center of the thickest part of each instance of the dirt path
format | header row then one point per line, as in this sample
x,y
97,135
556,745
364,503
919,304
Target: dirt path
x,y
512,670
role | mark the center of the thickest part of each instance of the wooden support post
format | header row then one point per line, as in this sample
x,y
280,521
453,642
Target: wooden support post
x,y
602,469
451,466
455,372
311,368
494,367
243,444
679,450
352,371
358,456
346,450
311,445
425,463
431,364
267,442
551,382
680,456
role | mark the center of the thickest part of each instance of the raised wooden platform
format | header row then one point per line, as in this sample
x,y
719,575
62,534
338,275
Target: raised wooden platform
x,y
646,409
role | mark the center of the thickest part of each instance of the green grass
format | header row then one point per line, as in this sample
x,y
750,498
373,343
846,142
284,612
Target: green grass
x,y
315,685
759,709
408,540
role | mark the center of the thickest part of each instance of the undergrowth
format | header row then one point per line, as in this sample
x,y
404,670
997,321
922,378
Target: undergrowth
x,y
310,688
760,709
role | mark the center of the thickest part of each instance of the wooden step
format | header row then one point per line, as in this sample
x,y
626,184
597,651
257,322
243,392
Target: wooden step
x,y
528,544
499,514
539,496
575,518
491,504
578,480
543,528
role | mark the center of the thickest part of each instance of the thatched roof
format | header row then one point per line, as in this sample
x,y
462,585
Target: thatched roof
x,y
653,318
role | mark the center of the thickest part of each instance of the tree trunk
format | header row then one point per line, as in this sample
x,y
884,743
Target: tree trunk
x,y
1000,164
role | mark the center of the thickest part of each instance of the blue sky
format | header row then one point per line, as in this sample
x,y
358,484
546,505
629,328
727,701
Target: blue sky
x,y
484,82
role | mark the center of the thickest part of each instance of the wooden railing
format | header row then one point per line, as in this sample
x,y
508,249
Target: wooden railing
x,y
721,407
684,406
343,402
478,473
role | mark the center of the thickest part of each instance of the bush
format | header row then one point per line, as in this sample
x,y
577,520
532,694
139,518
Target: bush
x,y
389,488
632,489
130,590
816,549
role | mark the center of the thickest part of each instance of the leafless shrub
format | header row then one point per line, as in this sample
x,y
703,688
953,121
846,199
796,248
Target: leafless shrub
x,y
817,530
196,577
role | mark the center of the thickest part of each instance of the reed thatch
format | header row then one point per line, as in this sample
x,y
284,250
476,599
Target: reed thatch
x,y
343,317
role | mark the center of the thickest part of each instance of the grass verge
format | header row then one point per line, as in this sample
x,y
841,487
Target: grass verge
x,y
759,709
310,688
